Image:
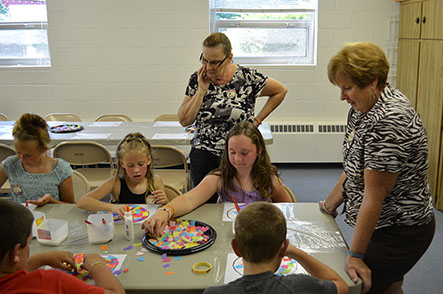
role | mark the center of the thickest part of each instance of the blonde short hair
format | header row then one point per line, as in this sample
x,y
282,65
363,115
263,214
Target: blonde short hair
x,y
362,62
216,39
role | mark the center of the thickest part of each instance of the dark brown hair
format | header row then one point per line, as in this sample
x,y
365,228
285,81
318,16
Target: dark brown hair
x,y
32,127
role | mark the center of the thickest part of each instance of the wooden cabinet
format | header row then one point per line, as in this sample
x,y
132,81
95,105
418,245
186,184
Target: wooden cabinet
x,y
420,77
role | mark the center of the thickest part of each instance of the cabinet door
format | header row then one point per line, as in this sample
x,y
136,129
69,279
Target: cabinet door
x,y
407,68
410,20
430,102
432,20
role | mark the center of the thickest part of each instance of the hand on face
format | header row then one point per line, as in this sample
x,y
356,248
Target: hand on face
x,y
203,79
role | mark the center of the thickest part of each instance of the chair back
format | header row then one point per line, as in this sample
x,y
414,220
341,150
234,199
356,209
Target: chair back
x,y
62,117
6,151
167,117
171,192
3,117
113,117
80,184
290,193
83,153
171,165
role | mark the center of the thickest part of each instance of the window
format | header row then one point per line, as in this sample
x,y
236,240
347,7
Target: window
x,y
23,33
282,32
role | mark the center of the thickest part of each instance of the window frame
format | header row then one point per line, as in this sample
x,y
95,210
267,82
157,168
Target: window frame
x,y
310,26
25,61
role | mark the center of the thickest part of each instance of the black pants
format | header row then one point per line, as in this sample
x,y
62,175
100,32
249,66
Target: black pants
x,y
202,162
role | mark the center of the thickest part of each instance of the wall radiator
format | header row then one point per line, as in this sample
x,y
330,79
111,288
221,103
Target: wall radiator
x,y
306,142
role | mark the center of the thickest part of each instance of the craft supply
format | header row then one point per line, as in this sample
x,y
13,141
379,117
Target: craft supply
x,y
141,258
104,247
236,204
202,267
103,221
125,270
129,225
169,273
66,128
139,213
166,265
88,222
100,228
128,248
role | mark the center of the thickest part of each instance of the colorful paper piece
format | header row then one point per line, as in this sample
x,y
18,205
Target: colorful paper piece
x,y
169,273
104,247
177,257
137,244
181,235
139,253
139,213
166,260
141,258
166,265
82,274
125,270
287,266
128,248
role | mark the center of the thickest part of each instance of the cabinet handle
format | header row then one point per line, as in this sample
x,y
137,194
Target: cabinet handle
x,y
424,19
417,20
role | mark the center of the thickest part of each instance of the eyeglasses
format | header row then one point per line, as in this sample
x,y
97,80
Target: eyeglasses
x,y
214,64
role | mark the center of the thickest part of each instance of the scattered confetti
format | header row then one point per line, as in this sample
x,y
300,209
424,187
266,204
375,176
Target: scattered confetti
x,y
166,265
140,253
166,260
128,248
125,270
177,257
138,213
117,272
104,247
83,274
169,273
141,258
137,244
164,255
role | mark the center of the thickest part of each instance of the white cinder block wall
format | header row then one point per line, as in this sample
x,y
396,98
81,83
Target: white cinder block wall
x,y
135,57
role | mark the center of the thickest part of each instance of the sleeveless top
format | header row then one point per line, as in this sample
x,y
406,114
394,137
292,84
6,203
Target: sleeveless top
x,y
127,197
241,196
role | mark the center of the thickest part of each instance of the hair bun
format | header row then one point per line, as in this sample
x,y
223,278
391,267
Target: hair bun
x,y
30,123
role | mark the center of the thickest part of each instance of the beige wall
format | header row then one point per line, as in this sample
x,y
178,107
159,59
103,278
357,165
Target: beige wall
x,y
135,57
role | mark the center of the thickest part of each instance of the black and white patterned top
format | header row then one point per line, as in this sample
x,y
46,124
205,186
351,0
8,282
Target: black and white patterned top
x,y
224,106
390,137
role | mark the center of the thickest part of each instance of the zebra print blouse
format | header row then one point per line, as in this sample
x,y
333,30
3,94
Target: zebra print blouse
x,y
390,137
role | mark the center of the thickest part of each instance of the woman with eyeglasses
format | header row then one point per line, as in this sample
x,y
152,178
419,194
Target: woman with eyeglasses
x,y
218,96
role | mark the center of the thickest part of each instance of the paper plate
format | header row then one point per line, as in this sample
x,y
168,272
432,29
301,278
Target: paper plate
x,y
66,128
182,237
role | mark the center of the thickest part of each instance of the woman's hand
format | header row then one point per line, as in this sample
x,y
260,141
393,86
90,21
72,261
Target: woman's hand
x,y
156,223
160,197
62,260
119,209
323,208
203,80
42,201
356,267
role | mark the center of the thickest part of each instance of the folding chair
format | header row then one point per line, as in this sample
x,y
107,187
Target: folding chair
x,y
167,117
171,192
113,117
87,153
171,165
5,151
3,117
80,184
290,193
62,117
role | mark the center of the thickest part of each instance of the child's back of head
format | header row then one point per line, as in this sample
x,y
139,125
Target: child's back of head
x,y
16,221
260,230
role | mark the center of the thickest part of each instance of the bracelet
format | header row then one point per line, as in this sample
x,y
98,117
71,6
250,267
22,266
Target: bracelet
x,y
171,209
356,254
257,121
206,267
95,263
167,210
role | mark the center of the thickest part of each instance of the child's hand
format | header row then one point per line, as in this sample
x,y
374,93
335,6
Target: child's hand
x,y
42,201
156,223
119,209
160,197
62,260
91,259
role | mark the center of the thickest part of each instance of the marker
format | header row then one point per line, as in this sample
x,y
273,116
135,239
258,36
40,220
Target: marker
x,y
88,222
103,221
236,204
27,203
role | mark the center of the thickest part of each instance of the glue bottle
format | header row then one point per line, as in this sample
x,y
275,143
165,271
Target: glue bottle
x,y
129,224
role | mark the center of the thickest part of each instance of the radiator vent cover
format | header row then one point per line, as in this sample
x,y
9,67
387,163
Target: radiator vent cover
x,y
292,128
331,128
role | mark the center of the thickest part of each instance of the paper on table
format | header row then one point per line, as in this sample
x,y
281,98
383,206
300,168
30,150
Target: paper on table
x,y
90,136
167,124
234,267
176,136
105,124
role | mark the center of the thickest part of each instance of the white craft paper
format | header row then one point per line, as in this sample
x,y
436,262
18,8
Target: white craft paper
x,y
176,136
105,124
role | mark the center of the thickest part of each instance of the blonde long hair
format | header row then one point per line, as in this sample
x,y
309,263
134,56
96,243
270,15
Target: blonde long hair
x,y
133,142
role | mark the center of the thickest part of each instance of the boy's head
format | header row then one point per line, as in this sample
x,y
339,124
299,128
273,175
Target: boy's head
x,y
16,221
260,232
